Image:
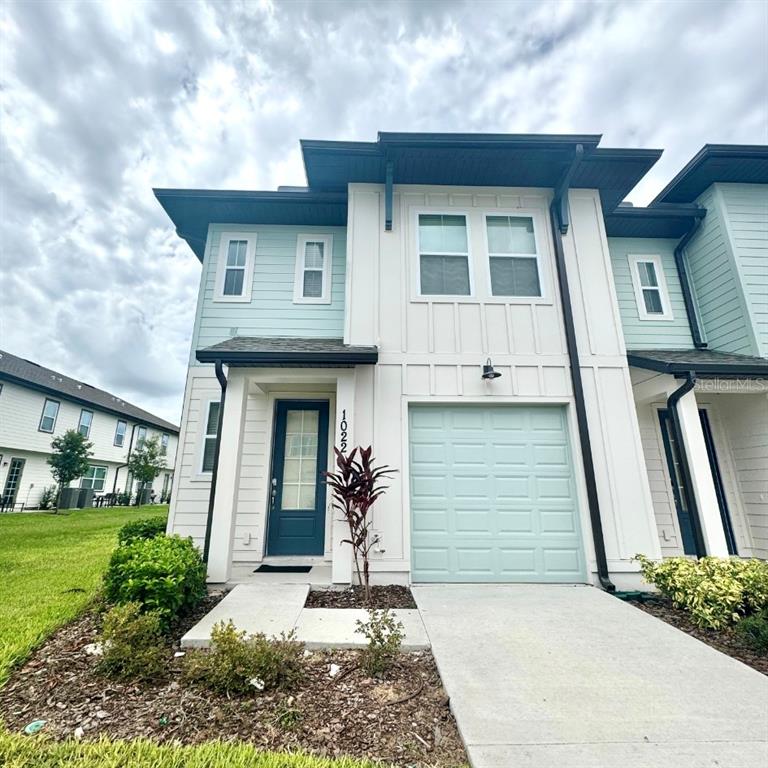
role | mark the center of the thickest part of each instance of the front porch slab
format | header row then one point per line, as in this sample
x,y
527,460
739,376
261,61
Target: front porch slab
x,y
269,608
335,628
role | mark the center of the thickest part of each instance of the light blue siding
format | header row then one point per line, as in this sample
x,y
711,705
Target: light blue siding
x,y
649,334
271,311
716,283
493,495
745,207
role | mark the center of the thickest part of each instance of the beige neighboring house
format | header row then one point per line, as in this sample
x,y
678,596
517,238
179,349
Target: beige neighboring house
x,y
38,404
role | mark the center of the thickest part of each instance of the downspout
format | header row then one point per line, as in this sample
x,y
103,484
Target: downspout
x,y
128,458
558,213
685,468
685,285
218,367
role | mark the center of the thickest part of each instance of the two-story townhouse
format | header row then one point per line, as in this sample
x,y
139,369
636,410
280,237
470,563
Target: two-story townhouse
x,y
449,299
38,404
691,273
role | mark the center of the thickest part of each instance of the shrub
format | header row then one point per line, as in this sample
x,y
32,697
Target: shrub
x,y
147,528
132,644
753,630
715,591
385,636
165,574
239,664
47,497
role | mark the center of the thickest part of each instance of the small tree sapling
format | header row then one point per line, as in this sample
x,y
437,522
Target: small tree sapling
x,y
69,458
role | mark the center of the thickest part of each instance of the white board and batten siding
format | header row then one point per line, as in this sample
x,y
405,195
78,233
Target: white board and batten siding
x,y
431,351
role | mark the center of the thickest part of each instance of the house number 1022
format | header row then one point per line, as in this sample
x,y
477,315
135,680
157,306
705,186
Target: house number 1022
x,y
343,431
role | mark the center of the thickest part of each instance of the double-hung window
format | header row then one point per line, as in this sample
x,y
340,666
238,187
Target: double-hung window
x,y
312,284
120,431
49,415
94,478
512,256
650,287
141,436
209,438
443,255
84,425
234,279
164,443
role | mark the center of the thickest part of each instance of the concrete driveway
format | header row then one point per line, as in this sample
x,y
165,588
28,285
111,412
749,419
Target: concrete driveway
x,y
551,676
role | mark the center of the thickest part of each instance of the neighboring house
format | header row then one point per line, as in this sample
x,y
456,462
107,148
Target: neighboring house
x,y
376,305
38,404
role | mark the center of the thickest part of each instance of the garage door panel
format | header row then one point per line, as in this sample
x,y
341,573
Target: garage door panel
x,y
493,495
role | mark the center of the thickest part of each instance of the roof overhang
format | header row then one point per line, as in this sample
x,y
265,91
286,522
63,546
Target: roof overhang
x,y
281,352
724,163
705,363
665,220
193,210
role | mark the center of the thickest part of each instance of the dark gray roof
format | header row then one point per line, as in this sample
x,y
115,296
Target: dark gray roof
x,y
727,163
287,351
664,220
29,374
705,362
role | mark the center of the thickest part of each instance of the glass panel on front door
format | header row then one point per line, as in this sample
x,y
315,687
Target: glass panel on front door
x,y
300,467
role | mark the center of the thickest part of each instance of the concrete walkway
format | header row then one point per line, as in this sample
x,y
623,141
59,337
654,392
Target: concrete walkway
x,y
273,608
546,676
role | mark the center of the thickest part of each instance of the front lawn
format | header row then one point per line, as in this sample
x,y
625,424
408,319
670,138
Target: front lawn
x,y
35,752
52,567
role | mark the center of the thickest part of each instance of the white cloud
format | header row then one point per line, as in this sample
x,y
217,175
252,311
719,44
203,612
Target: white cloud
x,y
102,101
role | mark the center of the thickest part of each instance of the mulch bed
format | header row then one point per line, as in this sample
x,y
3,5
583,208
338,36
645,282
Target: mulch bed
x,y
384,596
726,640
403,719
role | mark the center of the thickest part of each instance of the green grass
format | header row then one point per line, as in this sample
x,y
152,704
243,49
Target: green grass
x,y
18,751
50,569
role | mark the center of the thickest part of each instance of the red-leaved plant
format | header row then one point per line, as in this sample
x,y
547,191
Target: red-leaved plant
x,y
356,485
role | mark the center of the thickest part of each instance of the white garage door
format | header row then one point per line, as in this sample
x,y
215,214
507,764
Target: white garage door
x,y
493,495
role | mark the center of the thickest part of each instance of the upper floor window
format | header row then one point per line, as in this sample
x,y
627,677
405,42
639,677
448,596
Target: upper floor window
x,y
209,438
312,284
49,415
443,255
94,478
164,443
120,431
234,279
84,425
141,436
512,256
651,292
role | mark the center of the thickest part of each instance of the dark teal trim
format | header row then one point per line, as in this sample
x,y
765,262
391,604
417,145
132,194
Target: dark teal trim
x,y
311,521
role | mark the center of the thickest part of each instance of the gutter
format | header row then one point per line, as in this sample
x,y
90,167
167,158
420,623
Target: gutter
x,y
558,213
685,468
128,458
219,369
682,273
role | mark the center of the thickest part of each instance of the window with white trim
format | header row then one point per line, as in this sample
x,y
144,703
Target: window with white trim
x,y
512,256
141,436
86,420
94,478
234,279
120,430
164,443
210,436
650,287
49,416
314,256
443,255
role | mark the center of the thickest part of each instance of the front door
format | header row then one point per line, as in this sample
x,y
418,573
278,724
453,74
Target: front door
x,y
12,482
297,497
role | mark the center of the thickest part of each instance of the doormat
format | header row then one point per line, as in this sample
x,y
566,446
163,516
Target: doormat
x,y
283,569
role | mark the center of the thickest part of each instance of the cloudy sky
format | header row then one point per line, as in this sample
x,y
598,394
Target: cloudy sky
x,y
101,101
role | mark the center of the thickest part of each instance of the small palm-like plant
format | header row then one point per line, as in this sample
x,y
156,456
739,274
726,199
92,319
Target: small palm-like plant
x,y
356,485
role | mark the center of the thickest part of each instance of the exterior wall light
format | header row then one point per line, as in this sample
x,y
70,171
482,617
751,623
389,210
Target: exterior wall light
x,y
488,372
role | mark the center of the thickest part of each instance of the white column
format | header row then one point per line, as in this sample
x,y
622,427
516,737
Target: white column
x,y
341,568
228,479
701,476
